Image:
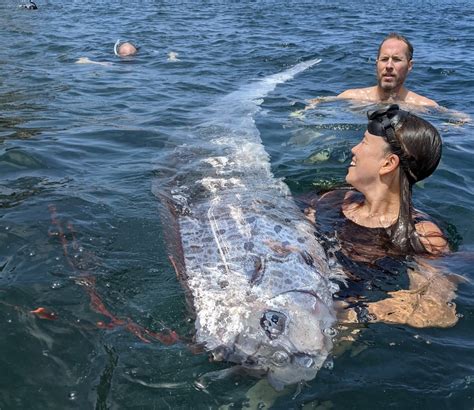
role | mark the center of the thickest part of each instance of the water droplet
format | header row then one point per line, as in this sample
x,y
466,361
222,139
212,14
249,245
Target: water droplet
x,y
72,395
7,228
329,364
459,315
32,253
330,331
56,285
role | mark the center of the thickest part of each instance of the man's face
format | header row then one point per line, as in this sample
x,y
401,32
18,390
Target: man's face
x,y
393,65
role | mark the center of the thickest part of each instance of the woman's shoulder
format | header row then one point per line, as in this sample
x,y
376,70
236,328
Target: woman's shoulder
x,y
431,237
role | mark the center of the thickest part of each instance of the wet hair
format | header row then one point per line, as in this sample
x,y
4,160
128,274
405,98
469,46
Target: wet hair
x,y
401,38
418,145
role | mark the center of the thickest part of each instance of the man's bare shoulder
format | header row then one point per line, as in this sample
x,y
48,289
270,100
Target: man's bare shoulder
x,y
416,99
367,93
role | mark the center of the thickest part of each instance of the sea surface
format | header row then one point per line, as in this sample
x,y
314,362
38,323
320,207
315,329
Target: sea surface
x,y
86,285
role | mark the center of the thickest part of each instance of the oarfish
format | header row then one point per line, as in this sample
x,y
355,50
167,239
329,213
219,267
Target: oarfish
x,y
257,278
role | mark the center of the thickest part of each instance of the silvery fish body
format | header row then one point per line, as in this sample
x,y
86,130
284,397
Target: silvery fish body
x,y
257,278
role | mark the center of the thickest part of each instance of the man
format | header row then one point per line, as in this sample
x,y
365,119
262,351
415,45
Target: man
x,y
394,62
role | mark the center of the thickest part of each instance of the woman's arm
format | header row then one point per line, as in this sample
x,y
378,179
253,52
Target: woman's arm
x,y
432,238
427,302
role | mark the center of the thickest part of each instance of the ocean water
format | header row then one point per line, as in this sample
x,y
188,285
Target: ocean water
x,y
80,229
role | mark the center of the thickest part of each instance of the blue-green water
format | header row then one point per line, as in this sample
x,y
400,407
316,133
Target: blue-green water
x,y
87,138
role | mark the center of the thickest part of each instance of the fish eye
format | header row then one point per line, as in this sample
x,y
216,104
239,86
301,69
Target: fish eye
x,y
273,323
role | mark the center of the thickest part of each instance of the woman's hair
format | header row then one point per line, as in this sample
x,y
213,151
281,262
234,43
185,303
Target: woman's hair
x,y
418,145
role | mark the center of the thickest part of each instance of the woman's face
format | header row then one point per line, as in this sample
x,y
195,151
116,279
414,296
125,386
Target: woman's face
x,y
368,157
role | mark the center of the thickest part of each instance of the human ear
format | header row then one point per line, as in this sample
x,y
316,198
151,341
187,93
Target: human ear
x,y
410,65
391,162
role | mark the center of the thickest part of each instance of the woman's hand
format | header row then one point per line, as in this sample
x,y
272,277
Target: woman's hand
x,y
428,303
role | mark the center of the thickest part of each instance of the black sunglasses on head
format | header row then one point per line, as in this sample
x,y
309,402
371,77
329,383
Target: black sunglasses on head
x,y
383,122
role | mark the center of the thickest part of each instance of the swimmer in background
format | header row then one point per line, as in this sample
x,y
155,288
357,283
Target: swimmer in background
x,y
373,230
394,63
31,6
125,49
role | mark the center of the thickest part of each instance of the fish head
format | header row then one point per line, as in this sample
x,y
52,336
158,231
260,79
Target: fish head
x,y
288,337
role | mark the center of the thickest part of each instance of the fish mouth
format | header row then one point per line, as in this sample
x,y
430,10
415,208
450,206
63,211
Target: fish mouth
x,y
279,377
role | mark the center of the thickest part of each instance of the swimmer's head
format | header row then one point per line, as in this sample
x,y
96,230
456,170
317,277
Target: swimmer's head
x,y
396,36
125,49
418,146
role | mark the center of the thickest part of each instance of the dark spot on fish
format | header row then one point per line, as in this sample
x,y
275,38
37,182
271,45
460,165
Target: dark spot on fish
x,y
307,258
288,281
277,228
248,246
223,284
287,220
221,231
250,219
301,240
250,361
258,270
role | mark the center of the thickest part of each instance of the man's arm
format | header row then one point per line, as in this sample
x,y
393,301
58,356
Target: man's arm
x,y
362,94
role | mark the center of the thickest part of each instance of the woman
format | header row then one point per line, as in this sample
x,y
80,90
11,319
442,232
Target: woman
x,y
375,233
